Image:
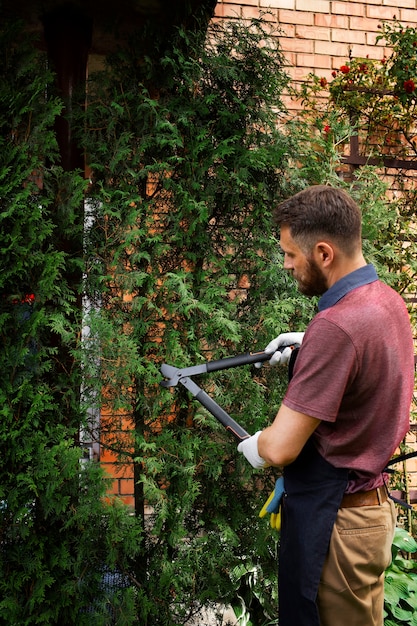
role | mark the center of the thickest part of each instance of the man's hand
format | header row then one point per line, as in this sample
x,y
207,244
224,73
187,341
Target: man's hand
x,y
249,448
285,339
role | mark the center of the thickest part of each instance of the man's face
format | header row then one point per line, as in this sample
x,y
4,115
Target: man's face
x,y
309,276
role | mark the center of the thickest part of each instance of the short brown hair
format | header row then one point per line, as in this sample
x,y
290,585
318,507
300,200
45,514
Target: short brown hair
x,y
321,212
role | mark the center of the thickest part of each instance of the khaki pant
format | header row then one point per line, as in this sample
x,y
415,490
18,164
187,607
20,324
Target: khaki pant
x,y
351,591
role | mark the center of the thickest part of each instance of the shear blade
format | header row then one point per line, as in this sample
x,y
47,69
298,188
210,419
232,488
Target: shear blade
x,y
168,371
171,373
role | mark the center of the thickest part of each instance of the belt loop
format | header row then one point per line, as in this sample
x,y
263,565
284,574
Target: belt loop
x,y
383,494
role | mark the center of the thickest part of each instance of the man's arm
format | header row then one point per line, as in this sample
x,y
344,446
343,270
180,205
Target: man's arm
x,y
281,443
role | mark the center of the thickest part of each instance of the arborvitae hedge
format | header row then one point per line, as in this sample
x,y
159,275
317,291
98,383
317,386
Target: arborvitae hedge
x,y
187,160
58,536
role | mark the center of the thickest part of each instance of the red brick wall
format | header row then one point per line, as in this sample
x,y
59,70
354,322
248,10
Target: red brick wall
x,y
317,35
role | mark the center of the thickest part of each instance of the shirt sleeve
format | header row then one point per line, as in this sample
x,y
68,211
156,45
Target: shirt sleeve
x,y
325,368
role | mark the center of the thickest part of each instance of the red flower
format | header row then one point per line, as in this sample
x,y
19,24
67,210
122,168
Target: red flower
x,y
29,298
345,69
334,74
327,129
323,82
409,86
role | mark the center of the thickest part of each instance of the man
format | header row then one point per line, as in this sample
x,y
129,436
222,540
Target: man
x,y
345,411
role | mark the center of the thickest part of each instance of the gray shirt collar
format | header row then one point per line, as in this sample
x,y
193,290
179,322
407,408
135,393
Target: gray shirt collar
x,y
362,276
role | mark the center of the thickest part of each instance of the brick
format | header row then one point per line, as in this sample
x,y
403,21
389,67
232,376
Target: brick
x,y
220,11
326,73
312,32
400,4
348,36
332,48
314,61
128,501
114,487
348,8
381,13
277,4
408,15
296,17
366,24
371,52
126,487
331,21
319,6
410,438
298,73
253,3
296,45
250,12
119,470
371,40
291,59
109,467
107,456
287,30
412,465
288,102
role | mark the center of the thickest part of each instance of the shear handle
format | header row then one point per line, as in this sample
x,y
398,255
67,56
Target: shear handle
x,y
236,361
224,418
216,410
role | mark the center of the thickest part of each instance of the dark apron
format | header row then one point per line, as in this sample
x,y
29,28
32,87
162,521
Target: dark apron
x,y
314,491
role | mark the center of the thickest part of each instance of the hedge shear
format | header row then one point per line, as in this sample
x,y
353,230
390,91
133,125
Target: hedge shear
x,y
174,376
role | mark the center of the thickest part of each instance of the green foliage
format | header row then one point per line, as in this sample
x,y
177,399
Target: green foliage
x,y
57,534
187,163
256,593
401,582
400,67
377,98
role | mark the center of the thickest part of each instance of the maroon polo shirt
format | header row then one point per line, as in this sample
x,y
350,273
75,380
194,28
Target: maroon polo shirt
x,y
355,372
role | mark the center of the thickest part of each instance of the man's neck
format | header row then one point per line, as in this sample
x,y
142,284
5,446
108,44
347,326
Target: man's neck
x,y
344,267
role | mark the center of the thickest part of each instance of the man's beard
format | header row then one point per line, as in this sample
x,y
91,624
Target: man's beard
x,y
313,282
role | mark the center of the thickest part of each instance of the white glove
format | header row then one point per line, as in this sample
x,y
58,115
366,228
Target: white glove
x,y
249,448
286,339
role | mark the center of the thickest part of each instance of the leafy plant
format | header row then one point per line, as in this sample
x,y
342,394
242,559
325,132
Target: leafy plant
x,y
401,582
187,162
377,98
256,600
57,533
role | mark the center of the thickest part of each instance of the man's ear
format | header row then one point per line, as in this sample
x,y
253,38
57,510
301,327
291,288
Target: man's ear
x,y
324,253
